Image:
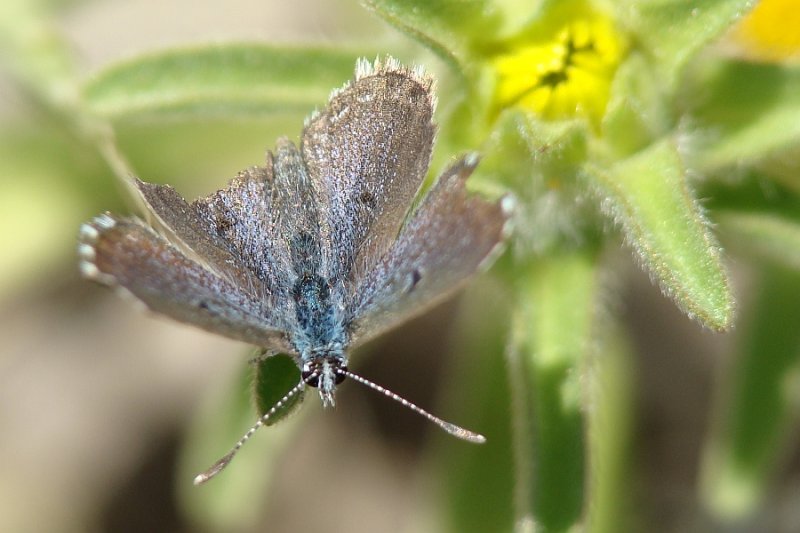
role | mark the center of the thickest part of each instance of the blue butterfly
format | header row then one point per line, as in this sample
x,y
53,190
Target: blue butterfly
x,y
315,252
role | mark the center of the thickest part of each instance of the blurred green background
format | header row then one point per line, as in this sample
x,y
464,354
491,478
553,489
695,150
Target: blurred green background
x,y
107,412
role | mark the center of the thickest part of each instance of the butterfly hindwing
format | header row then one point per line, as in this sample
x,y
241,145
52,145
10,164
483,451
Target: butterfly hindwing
x,y
127,253
447,240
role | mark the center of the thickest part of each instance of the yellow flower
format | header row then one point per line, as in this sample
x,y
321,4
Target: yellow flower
x,y
565,73
770,32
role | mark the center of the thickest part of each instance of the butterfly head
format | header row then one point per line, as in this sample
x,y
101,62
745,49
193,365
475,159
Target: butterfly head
x,y
324,372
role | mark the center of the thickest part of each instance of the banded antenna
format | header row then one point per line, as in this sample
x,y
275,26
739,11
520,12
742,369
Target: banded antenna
x,y
452,429
220,465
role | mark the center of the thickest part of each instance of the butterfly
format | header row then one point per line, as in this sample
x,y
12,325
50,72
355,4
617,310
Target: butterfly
x,y
318,250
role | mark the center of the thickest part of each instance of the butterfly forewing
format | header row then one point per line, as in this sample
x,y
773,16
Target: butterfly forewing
x,y
367,153
446,241
128,254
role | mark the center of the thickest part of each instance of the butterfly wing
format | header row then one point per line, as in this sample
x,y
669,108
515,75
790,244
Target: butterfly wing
x,y
243,216
218,250
185,228
128,254
447,240
367,153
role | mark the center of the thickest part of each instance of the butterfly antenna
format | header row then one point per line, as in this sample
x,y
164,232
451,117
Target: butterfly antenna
x,y
452,429
217,467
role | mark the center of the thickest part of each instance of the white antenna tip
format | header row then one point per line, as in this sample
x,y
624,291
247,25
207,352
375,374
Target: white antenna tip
x,y
217,467
463,434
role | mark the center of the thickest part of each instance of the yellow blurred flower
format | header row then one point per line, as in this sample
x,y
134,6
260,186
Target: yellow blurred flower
x,y
770,32
564,74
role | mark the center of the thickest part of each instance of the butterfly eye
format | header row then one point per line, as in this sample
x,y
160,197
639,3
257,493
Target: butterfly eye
x,y
311,377
340,375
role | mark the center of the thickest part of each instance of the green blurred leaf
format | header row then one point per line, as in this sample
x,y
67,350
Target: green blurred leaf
x,y
448,27
477,480
553,332
783,167
759,417
233,500
673,31
648,195
219,80
766,235
274,377
610,397
745,113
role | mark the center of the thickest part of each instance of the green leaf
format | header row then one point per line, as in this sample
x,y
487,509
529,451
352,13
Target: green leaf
x,y
747,112
553,334
759,417
649,196
610,393
219,80
477,480
673,31
233,500
448,27
274,377
765,235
